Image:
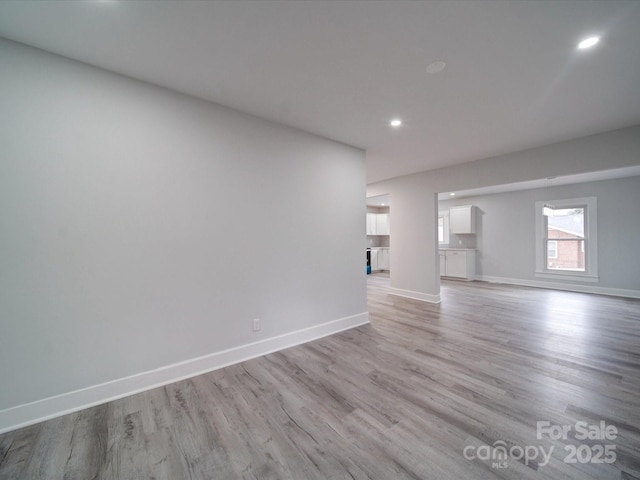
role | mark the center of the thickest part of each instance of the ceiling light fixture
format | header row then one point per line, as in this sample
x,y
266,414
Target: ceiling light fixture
x,y
588,42
436,67
453,194
396,122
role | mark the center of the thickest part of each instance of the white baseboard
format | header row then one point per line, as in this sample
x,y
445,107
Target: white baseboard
x,y
571,287
424,297
51,407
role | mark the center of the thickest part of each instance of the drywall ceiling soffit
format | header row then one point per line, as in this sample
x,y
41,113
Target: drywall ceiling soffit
x,y
379,201
546,182
513,78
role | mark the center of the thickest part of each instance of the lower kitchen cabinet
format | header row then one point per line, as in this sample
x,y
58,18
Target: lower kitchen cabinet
x,y
379,258
458,264
383,259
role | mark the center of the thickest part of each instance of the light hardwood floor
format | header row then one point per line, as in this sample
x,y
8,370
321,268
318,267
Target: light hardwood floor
x,y
402,398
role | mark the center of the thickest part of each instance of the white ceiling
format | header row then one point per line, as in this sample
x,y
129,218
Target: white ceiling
x,y
342,69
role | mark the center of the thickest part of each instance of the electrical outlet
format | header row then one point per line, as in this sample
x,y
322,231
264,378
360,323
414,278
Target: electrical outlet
x,y
256,324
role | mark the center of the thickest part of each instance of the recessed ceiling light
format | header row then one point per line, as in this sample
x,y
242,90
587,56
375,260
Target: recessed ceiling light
x,y
588,42
436,67
453,194
396,122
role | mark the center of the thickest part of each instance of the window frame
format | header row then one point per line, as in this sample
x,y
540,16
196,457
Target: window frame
x,y
445,222
590,241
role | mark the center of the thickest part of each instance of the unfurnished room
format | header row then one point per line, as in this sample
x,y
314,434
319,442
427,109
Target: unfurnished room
x,y
319,239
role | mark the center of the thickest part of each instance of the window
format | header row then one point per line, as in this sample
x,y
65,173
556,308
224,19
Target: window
x,y
566,243
443,228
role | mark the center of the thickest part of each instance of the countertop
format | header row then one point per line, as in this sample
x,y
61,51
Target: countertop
x,y
461,249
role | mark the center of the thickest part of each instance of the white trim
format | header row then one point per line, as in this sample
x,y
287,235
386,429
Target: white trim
x,y
569,277
423,297
29,413
616,292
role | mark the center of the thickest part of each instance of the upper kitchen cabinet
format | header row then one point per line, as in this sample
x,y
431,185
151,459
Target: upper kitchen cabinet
x,y
377,224
382,224
371,223
462,219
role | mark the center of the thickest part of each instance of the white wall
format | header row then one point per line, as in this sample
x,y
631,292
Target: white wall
x,y
414,200
505,233
142,228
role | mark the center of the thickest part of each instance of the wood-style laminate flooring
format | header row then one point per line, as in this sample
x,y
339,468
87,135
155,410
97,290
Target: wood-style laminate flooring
x,y
402,398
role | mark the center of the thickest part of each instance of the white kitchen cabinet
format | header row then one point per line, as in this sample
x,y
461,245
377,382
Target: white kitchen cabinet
x,y
371,223
378,224
379,258
458,264
462,219
382,224
383,259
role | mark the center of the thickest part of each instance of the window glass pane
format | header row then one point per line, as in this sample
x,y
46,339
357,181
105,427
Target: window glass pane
x,y
566,223
565,239
566,255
